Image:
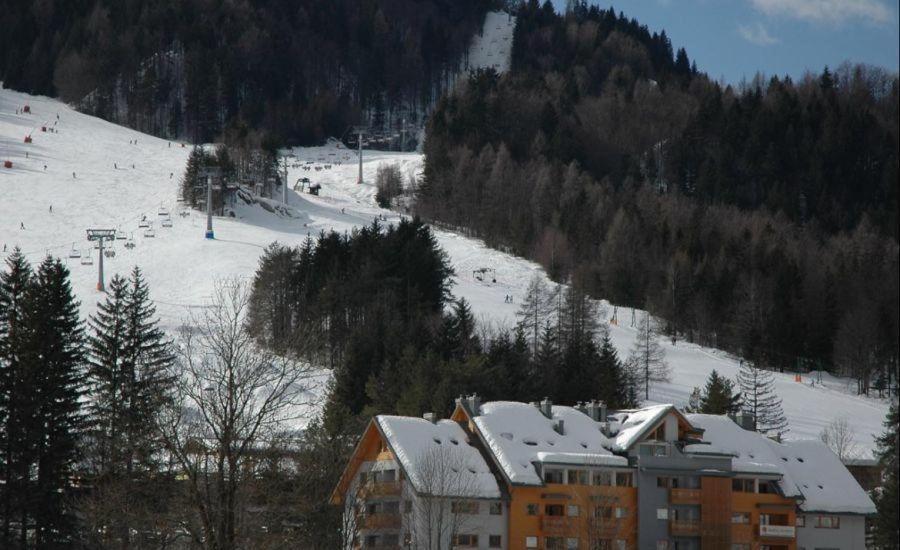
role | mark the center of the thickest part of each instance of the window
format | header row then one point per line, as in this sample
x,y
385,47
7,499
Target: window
x,y
553,476
554,510
621,544
464,507
466,541
363,477
372,540
741,546
800,521
496,508
742,485
386,475
391,507
603,478
571,543
662,513
603,512
530,542
663,482
767,487
373,508
531,510
577,477
828,522
495,541
554,543
390,540
573,511
621,513
407,506
662,545
740,517
624,479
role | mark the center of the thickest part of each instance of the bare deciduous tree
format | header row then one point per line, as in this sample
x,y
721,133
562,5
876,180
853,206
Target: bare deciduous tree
x,y
648,360
838,436
444,504
231,398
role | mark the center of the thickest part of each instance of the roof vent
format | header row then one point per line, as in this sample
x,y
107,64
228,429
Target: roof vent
x,y
474,403
597,410
431,417
560,427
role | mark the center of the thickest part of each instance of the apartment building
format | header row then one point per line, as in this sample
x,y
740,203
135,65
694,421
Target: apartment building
x,y
544,476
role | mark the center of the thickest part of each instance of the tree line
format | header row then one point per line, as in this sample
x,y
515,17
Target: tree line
x,y
761,220
243,70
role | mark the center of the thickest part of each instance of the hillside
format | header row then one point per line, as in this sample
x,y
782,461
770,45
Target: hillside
x,y
181,266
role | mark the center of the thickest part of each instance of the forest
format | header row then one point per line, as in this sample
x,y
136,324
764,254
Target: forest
x,y
760,219
242,71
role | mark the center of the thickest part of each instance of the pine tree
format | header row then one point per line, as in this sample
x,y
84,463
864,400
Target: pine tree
x,y
16,394
611,378
718,396
578,318
54,357
759,399
648,360
887,519
459,338
547,364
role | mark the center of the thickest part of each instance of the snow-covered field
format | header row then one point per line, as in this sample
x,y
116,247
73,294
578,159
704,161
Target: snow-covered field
x,y
182,267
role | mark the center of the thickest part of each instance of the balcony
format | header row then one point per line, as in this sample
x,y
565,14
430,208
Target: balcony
x,y
381,489
556,525
382,521
684,496
684,528
777,531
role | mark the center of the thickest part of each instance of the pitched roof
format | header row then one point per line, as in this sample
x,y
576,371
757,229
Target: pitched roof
x,y
808,470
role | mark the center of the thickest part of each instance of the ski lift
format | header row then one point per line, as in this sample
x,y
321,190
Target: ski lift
x,y
109,253
129,244
184,213
167,222
87,259
120,235
149,233
144,224
162,211
75,253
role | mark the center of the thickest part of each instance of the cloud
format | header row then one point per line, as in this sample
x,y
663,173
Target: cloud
x,y
834,11
757,34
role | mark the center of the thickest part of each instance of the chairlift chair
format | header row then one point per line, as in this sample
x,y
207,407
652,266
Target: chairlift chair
x,y
143,224
167,222
149,233
75,253
129,244
163,211
87,259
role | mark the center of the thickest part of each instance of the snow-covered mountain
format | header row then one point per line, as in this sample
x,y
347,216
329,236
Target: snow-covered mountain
x,y
99,175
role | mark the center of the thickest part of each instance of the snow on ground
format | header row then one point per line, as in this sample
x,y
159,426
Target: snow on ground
x,y
493,46
181,266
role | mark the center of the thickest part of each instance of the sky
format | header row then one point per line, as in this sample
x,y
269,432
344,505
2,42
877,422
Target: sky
x,y
735,39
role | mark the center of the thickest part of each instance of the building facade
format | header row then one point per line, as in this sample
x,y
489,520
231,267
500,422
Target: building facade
x,y
549,477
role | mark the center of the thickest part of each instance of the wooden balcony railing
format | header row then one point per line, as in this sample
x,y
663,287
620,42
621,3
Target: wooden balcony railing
x,y
381,488
684,496
382,521
684,527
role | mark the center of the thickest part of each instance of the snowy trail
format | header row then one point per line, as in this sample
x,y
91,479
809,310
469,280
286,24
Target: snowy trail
x,y
181,266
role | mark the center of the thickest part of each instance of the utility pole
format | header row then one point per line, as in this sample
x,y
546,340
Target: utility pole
x,y
359,132
100,235
209,227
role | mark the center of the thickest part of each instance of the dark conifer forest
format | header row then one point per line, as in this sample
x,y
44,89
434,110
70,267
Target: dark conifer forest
x,y
759,218
203,69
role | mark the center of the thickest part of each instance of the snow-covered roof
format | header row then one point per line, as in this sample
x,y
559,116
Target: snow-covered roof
x,y
438,458
518,434
808,470
628,426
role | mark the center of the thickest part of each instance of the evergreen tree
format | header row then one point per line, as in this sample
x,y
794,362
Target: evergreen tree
x,y
718,396
759,399
54,359
547,365
647,360
16,395
612,383
887,519
459,338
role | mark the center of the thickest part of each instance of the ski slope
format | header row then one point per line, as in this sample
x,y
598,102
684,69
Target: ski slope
x,y
182,267
492,48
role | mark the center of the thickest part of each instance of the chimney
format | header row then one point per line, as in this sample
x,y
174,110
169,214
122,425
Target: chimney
x,y
743,419
474,404
597,410
547,407
431,417
560,427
